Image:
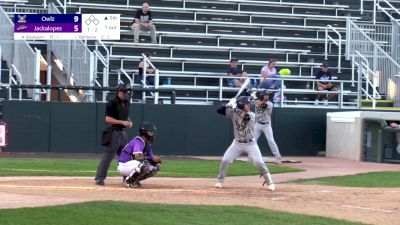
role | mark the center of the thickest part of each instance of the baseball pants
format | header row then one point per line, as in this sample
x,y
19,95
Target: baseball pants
x,y
117,143
267,130
125,169
235,150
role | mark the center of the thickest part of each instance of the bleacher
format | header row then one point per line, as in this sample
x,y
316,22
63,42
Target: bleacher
x,y
197,38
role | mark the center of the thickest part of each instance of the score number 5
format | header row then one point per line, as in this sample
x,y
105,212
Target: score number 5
x,y
76,19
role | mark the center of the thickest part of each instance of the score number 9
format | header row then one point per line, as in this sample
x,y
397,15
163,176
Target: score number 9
x,y
76,19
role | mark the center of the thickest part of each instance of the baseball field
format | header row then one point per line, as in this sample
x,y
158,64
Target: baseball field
x,y
48,190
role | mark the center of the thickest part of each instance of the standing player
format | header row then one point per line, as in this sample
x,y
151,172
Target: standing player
x,y
243,122
137,161
263,123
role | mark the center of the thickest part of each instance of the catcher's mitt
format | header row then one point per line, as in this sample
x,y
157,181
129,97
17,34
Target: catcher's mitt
x,y
156,159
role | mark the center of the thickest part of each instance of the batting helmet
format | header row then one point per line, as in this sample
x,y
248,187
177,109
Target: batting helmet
x,y
148,130
241,101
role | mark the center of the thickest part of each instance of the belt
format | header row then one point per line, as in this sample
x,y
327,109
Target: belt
x,y
245,141
119,128
263,123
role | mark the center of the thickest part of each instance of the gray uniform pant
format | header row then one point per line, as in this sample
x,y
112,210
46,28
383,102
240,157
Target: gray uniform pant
x,y
235,150
117,143
398,142
267,130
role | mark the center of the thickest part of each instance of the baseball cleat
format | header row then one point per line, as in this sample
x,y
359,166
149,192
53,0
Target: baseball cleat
x,y
136,184
218,185
271,187
126,184
278,161
100,183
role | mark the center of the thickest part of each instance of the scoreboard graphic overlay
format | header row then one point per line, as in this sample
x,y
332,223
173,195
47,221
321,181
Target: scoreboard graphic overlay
x,y
67,27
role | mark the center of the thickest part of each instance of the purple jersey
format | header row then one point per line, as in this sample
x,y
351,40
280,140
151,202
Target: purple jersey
x,y
136,145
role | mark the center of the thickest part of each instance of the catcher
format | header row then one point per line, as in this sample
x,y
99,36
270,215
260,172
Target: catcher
x,y
137,161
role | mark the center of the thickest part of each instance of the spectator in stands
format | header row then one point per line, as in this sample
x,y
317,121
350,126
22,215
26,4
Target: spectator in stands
x,y
234,71
149,72
269,71
394,125
144,21
323,83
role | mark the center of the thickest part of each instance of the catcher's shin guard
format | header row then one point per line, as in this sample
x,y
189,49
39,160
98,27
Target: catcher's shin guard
x,y
147,172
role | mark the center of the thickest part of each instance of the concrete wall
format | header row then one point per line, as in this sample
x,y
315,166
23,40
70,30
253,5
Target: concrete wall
x,y
345,132
183,129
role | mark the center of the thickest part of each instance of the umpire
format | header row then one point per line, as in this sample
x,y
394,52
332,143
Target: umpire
x,y
114,137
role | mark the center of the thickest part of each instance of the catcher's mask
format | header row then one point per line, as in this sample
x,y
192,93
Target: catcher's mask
x,y
148,130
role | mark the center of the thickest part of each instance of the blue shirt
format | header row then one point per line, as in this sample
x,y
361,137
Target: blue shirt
x,y
323,77
235,71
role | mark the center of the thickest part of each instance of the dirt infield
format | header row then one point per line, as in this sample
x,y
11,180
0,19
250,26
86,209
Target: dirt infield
x,y
369,205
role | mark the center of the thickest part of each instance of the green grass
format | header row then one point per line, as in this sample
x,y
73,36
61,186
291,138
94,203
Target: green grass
x,y
121,213
87,167
375,179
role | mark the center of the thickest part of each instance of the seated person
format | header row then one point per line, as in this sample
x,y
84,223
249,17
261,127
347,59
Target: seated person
x,y
149,72
269,71
234,71
144,21
137,161
396,126
323,84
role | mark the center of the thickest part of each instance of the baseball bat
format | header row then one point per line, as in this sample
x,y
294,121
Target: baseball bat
x,y
243,87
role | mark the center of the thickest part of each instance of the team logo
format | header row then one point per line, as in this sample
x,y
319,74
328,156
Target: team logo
x,y
242,125
21,27
21,19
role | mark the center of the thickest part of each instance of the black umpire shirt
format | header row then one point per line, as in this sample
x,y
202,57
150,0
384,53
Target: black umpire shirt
x,y
118,110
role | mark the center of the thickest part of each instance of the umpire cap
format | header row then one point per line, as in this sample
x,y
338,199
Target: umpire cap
x,y
241,101
122,87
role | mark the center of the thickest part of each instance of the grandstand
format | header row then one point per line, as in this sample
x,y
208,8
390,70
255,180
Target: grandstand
x,y
197,38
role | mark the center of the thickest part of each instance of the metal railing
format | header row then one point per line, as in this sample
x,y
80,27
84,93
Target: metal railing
x,y
13,81
61,88
379,61
19,54
77,60
381,33
6,37
336,42
197,12
365,73
394,34
385,7
147,63
221,92
24,9
104,60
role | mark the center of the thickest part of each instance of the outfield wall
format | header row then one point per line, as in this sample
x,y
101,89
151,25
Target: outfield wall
x,y
183,130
